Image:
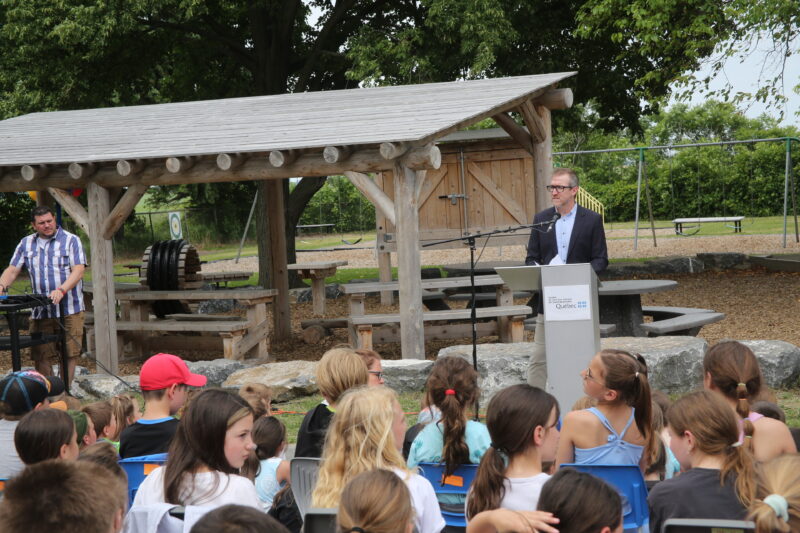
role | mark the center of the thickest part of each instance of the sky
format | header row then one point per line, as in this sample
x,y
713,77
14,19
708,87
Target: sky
x,y
743,76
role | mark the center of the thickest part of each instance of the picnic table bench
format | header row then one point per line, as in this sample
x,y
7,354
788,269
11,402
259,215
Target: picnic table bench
x,y
677,320
508,326
317,272
238,337
679,222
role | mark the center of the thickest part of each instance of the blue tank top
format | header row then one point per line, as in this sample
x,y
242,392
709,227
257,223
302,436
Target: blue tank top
x,y
615,452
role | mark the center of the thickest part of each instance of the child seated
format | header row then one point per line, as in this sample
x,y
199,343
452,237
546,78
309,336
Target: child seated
x,y
63,496
777,500
522,423
265,465
339,369
126,412
84,428
46,434
103,419
237,519
606,434
259,396
163,380
210,446
718,477
376,501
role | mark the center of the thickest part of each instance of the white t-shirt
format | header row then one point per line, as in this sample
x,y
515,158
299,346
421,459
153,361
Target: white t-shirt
x,y
10,463
522,493
428,517
230,488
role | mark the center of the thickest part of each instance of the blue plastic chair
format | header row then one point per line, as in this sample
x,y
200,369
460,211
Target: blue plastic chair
x,y
137,468
629,482
456,483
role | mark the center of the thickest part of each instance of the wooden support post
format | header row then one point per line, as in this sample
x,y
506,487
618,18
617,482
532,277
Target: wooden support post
x,y
374,194
543,161
385,275
123,209
278,273
533,121
105,314
72,206
412,333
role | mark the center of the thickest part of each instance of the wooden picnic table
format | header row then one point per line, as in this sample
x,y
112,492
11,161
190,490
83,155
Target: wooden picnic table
x,y
238,337
317,272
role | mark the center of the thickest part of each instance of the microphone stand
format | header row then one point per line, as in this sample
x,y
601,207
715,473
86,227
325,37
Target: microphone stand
x,y
470,241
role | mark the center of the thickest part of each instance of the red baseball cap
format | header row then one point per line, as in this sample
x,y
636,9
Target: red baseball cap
x,y
164,370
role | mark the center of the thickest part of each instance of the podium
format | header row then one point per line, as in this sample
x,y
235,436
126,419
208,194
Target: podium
x,y
571,311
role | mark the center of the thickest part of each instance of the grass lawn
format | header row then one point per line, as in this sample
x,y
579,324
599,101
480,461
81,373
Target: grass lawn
x,y
750,226
789,400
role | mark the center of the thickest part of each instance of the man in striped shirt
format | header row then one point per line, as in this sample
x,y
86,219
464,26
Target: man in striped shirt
x,y
55,262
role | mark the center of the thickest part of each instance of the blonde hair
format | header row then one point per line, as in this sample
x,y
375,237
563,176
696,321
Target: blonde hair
x,y
122,407
376,501
338,370
359,439
779,476
259,396
714,426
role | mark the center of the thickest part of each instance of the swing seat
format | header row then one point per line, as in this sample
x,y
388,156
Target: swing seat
x,y
345,241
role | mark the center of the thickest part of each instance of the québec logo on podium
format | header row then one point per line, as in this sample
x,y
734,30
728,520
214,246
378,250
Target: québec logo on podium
x,y
567,302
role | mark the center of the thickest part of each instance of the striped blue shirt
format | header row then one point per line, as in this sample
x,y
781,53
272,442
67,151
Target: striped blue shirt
x,y
49,263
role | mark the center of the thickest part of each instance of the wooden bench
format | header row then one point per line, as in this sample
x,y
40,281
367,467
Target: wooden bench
x,y
662,312
681,325
363,333
239,338
679,222
605,329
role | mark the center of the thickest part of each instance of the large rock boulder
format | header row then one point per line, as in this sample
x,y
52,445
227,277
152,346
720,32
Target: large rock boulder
x,y
675,364
217,371
102,386
779,362
406,375
499,365
288,380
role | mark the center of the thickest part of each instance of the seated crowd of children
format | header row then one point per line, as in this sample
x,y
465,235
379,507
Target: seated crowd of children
x,y
718,453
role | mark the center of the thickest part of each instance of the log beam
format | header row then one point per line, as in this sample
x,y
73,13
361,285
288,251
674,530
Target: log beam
x,y
555,99
72,206
122,209
81,170
34,172
282,158
206,171
373,193
130,168
179,164
423,158
533,121
336,154
393,150
516,132
230,161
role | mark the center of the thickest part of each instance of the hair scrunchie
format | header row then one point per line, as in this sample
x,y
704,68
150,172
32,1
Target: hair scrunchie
x,y
779,505
450,392
357,529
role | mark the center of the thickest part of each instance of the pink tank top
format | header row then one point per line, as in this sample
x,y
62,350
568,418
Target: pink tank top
x,y
752,417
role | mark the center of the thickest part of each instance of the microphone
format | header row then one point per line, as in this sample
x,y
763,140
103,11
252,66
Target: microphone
x,y
553,222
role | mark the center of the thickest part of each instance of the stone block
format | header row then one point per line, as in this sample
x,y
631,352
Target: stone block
x,y
288,380
406,375
779,362
217,370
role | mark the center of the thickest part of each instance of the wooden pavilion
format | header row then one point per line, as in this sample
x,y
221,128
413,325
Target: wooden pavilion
x,y
352,132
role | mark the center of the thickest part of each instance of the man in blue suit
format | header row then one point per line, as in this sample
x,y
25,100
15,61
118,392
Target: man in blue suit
x,y
576,236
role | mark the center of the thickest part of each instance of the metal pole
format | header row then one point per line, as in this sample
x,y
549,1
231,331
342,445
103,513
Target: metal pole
x,y
786,186
247,226
638,199
792,187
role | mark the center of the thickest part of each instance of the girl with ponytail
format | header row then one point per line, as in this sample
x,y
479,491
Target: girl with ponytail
x,y
777,503
522,423
452,386
606,434
719,477
731,369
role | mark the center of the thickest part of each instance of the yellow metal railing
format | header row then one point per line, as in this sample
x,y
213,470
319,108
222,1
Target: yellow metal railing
x,y
590,202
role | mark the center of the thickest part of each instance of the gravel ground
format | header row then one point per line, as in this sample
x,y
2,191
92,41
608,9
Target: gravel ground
x,y
363,255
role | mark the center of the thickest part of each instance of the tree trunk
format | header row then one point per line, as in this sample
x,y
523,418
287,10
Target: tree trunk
x,y
296,204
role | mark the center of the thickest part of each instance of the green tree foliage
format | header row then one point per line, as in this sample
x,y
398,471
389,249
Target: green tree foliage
x,y
339,202
15,216
743,179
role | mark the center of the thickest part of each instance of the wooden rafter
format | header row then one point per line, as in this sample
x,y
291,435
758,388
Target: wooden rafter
x,y
516,132
374,193
122,209
533,121
72,206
